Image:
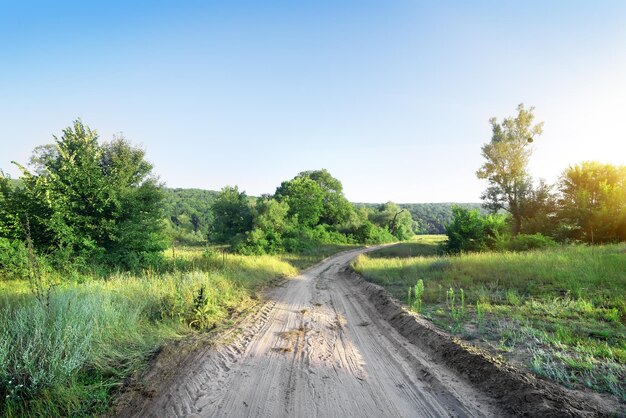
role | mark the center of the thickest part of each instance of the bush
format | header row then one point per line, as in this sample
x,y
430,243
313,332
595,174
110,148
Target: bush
x,y
13,259
259,242
469,231
43,345
370,233
525,242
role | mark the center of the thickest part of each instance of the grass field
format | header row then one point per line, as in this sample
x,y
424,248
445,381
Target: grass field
x,y
560,311
66,353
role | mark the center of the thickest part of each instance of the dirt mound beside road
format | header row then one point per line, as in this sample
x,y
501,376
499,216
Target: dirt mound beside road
x,y
518,392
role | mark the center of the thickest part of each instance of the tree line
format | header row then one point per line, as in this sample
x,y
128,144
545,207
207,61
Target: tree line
x,y
86,204
304,212
587,203
83,204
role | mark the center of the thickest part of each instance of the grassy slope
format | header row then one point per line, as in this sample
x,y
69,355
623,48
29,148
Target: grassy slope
x,y
561,311
66,356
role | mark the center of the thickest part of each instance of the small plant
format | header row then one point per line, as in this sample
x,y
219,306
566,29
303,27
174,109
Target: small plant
x,y
480,315
457,313
512,297
418,292
40,285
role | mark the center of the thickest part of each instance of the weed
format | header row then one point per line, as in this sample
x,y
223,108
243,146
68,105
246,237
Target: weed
x,y
414,296
480,315
457,313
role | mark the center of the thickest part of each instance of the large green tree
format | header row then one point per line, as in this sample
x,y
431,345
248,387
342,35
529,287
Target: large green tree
x,y
232,214
91,201
305,199
396,220
337,210
506,166
592,202
316,197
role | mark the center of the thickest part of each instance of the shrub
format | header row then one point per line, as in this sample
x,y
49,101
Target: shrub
x,y
469,231
524,242
370,233
43,345
13,259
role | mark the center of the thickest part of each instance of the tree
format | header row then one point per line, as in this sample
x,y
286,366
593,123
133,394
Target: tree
x,y
305,198
232,214
592,203
92,202
396,220
469,231
316,197
505,168
337,210
540,210
270,225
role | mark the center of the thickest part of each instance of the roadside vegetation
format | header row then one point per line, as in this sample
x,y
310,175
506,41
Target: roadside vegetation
x,y
541,277
94,279
100,264
66,352
560,311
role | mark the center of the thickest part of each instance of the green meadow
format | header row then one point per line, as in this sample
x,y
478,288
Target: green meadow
x,y
560,311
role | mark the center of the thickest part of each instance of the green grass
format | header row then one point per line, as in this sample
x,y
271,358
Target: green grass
x,y
424,245
561,311
68,354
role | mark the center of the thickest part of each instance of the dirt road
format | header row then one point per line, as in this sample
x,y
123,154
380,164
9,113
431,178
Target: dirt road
x,y
317,346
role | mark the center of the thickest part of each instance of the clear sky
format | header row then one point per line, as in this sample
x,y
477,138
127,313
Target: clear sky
x,y
393,97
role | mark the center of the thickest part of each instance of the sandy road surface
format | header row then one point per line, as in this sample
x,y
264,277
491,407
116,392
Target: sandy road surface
x,y
316,347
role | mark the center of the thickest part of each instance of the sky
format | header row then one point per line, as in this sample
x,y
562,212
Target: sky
x,y
392,97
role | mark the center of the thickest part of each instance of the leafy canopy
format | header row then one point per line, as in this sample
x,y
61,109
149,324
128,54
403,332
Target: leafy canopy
x,y
506,166
89,201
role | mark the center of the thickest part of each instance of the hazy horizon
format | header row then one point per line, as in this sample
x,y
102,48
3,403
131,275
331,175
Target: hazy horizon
x,y
393,98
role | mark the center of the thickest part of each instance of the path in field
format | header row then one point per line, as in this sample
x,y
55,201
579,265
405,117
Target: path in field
x,y
316,347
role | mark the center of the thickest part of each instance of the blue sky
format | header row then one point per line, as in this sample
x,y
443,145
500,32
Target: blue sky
x,y
393,97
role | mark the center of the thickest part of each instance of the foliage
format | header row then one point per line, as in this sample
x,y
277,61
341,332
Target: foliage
x,y
415,293
370,233
67,358
310,210
525,242
539,214
469,231
395,219
305,199
232,214
336,208
428,218
592,203
13,259
189,214
88,201
560,309
505,168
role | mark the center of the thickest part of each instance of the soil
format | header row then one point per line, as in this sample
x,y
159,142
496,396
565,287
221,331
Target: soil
x,y
330,344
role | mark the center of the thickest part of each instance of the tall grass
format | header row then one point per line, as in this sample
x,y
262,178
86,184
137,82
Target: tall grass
x,y
596,274
67,356
561,310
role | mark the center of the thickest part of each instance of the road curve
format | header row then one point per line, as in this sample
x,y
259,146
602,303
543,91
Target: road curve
x,y
316,347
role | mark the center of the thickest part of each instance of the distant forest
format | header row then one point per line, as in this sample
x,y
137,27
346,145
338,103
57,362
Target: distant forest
x,y
431,218
190,217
